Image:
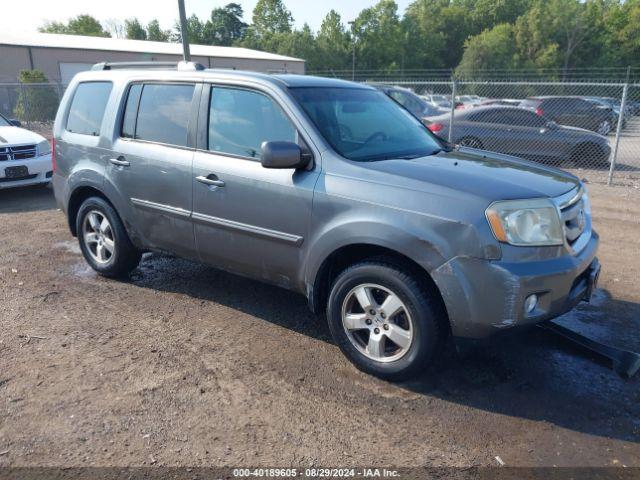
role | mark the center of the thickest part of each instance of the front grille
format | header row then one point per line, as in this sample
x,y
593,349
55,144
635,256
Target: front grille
x,y
17,152
26,177
574,217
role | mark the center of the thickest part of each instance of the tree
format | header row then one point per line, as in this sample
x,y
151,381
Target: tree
x,y
271,16
37,103
80,25
333,42
195,31
155,33
134,30
225,26
491,49
379,37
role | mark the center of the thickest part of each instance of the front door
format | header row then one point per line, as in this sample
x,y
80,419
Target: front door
x,y
152,164
249,219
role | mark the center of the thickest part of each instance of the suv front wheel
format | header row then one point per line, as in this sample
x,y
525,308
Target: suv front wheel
x,y
383,320
103,239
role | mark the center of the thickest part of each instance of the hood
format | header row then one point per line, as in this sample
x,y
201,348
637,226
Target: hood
x,y
582,132
18,136
488,175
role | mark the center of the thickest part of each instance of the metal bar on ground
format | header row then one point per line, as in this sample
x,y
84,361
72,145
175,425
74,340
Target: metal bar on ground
x,y
624,363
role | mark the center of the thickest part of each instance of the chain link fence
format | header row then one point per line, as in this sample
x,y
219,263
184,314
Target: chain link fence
x,y
590,128
34,105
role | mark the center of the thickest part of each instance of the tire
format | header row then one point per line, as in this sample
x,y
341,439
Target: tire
x,y
471,142
418,320
106,247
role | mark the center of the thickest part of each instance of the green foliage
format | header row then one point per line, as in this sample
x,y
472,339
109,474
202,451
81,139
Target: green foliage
x,y
379,40
80,25
195,31
333,43
271,17
134,30
36,103
469,36
155,33
491,49
225,25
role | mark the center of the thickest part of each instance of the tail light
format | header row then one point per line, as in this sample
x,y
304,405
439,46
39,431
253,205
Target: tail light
x,y
435,127
460,106
539,112
53,155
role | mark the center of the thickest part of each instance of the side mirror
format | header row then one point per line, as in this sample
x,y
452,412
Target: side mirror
x,y
15,122
278,154
551,125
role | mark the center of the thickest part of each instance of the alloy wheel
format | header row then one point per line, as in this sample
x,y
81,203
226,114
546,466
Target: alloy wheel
x,y
98,237
377,322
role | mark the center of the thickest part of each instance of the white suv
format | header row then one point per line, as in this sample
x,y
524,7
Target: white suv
x,y
25,156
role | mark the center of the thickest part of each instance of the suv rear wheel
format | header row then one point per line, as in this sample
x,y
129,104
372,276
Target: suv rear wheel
x,y
103,240
383,320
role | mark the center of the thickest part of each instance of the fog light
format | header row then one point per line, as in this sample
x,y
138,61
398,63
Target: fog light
x,y
530,303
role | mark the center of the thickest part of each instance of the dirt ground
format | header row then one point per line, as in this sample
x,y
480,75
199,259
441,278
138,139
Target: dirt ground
x,y
185,365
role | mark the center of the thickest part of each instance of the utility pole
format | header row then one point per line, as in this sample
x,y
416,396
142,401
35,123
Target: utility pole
x,y
184,32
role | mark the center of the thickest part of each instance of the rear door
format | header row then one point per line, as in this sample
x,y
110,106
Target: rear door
x,y
152,160
249,219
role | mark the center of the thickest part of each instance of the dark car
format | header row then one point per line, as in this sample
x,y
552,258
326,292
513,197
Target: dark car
x,y
523,133
417,106
573,112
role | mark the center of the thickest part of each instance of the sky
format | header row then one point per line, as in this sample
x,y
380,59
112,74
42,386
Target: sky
x,y
23,16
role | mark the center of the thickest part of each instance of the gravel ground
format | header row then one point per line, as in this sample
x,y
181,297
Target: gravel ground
x,y
185,365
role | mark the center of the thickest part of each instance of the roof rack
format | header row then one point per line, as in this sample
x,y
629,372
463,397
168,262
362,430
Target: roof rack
x,y
180,66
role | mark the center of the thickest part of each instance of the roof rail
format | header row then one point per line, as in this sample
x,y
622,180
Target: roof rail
x,y
180,66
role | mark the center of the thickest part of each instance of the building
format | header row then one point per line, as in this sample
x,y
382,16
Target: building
x,y
60,57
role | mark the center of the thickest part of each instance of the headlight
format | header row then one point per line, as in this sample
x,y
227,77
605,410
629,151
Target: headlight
x,y
526,222
44,148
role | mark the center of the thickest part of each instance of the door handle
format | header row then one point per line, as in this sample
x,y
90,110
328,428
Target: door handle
x,y
119,162
214,182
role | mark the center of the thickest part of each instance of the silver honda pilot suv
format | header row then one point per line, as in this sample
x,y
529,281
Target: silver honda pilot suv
x,y
327,188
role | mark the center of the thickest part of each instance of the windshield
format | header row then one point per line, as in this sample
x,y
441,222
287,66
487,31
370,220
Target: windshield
x,y
4,122
365,125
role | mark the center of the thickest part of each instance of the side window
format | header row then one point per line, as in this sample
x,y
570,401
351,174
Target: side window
x,y
582,105
490,116
240,120
523,118
163,114
131,111
87,108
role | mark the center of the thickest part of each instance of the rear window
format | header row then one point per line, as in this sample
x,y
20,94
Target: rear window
x,y
87,108
530,103
162,114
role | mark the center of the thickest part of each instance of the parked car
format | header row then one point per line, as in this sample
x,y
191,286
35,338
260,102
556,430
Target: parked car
x,y
520,132
514,102
611,104
442,101
327,188
573,112
412,102
25,156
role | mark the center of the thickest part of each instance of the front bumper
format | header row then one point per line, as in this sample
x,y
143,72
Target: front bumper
x,y
485,297
39,170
